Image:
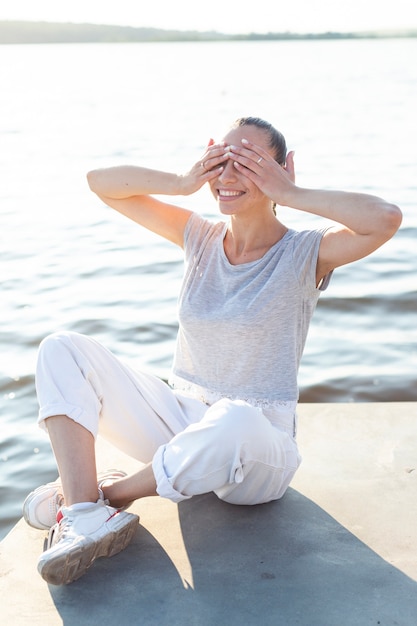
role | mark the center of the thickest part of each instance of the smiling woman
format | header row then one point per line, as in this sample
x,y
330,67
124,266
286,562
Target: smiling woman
x,y
227,420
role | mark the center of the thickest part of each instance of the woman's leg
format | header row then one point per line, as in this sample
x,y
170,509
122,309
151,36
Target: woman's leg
x,y
82,388
138,485
230,448
74,452
234,451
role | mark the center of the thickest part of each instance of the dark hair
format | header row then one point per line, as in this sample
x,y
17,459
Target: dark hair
x,y
276,139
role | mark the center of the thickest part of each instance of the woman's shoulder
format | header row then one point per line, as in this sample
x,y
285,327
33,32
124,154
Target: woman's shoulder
x,y
199,227
306,236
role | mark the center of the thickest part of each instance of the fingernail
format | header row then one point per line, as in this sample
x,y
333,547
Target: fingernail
x,y
245,141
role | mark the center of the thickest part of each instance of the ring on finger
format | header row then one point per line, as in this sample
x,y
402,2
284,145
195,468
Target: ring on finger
x,y
203,166
259,160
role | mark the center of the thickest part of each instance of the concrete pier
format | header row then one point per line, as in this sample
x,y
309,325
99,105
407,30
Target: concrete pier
x,y
340,549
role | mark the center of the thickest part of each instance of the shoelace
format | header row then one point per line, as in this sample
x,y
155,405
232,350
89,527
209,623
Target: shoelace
x,y
57,531
55,504
63,523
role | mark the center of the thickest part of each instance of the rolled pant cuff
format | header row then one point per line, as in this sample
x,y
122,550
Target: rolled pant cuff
x,y
75,413
163,486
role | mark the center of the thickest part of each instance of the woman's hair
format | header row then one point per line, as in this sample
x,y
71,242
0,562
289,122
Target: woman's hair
x,y
276,139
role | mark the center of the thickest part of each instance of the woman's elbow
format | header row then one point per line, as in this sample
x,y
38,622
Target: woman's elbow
x,y
92,179
393,219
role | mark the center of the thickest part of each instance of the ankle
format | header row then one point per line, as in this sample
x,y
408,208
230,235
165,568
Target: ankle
x,y
80,506
87,499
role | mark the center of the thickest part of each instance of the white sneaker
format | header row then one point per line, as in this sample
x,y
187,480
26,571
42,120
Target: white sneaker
x,y
42,505
80,537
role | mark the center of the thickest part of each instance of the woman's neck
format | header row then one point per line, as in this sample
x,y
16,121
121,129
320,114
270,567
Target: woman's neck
x,y
250,240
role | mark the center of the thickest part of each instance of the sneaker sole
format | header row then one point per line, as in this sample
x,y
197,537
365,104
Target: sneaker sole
x,y
70,565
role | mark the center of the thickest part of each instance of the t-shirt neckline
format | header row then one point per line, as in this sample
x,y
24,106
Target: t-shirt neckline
x,y
249,264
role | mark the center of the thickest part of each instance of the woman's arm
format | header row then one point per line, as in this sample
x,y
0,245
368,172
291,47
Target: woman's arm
x,y
366,222
128,189
125,181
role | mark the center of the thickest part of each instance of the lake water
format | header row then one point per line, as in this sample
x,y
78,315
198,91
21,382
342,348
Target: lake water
x,y
348,108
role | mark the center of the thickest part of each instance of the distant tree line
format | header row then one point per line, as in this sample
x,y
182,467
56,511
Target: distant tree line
x,y
20,32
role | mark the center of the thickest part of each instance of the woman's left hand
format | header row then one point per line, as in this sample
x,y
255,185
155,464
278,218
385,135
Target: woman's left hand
x,y
273,179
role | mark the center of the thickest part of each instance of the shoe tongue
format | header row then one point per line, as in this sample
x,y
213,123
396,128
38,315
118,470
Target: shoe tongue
x,y
59,516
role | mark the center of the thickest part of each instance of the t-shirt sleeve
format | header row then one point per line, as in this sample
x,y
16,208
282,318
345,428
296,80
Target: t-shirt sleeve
x,y
196,231
306,246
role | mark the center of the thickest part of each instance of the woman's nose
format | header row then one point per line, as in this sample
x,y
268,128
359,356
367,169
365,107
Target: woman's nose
x,y
229,171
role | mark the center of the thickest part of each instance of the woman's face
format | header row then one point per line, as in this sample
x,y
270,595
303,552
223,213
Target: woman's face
x,y
234,192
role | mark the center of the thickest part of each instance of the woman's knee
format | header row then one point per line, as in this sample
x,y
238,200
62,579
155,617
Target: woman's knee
x,y
61,349
261,483
54,343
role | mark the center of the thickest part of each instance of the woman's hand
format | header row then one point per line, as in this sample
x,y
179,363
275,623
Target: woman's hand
x,y
273,179
206,168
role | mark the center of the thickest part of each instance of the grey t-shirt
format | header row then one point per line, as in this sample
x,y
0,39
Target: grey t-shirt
x,y
243,327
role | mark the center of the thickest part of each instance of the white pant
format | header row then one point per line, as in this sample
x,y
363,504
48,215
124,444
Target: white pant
x,y
230,448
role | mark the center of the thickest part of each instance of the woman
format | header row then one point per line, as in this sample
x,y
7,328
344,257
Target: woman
x,y
227,422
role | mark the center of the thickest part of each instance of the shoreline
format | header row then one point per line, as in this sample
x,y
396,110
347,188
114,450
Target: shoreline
x,y
31,32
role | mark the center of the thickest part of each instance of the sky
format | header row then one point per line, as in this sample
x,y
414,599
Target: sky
x,y
226,16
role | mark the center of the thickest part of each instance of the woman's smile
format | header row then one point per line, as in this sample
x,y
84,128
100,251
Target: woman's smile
x,y
229,194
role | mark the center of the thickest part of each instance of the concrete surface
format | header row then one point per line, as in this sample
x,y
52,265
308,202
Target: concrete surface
x,y
340,549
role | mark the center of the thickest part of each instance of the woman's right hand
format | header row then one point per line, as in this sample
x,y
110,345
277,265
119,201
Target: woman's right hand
x,y
206,168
